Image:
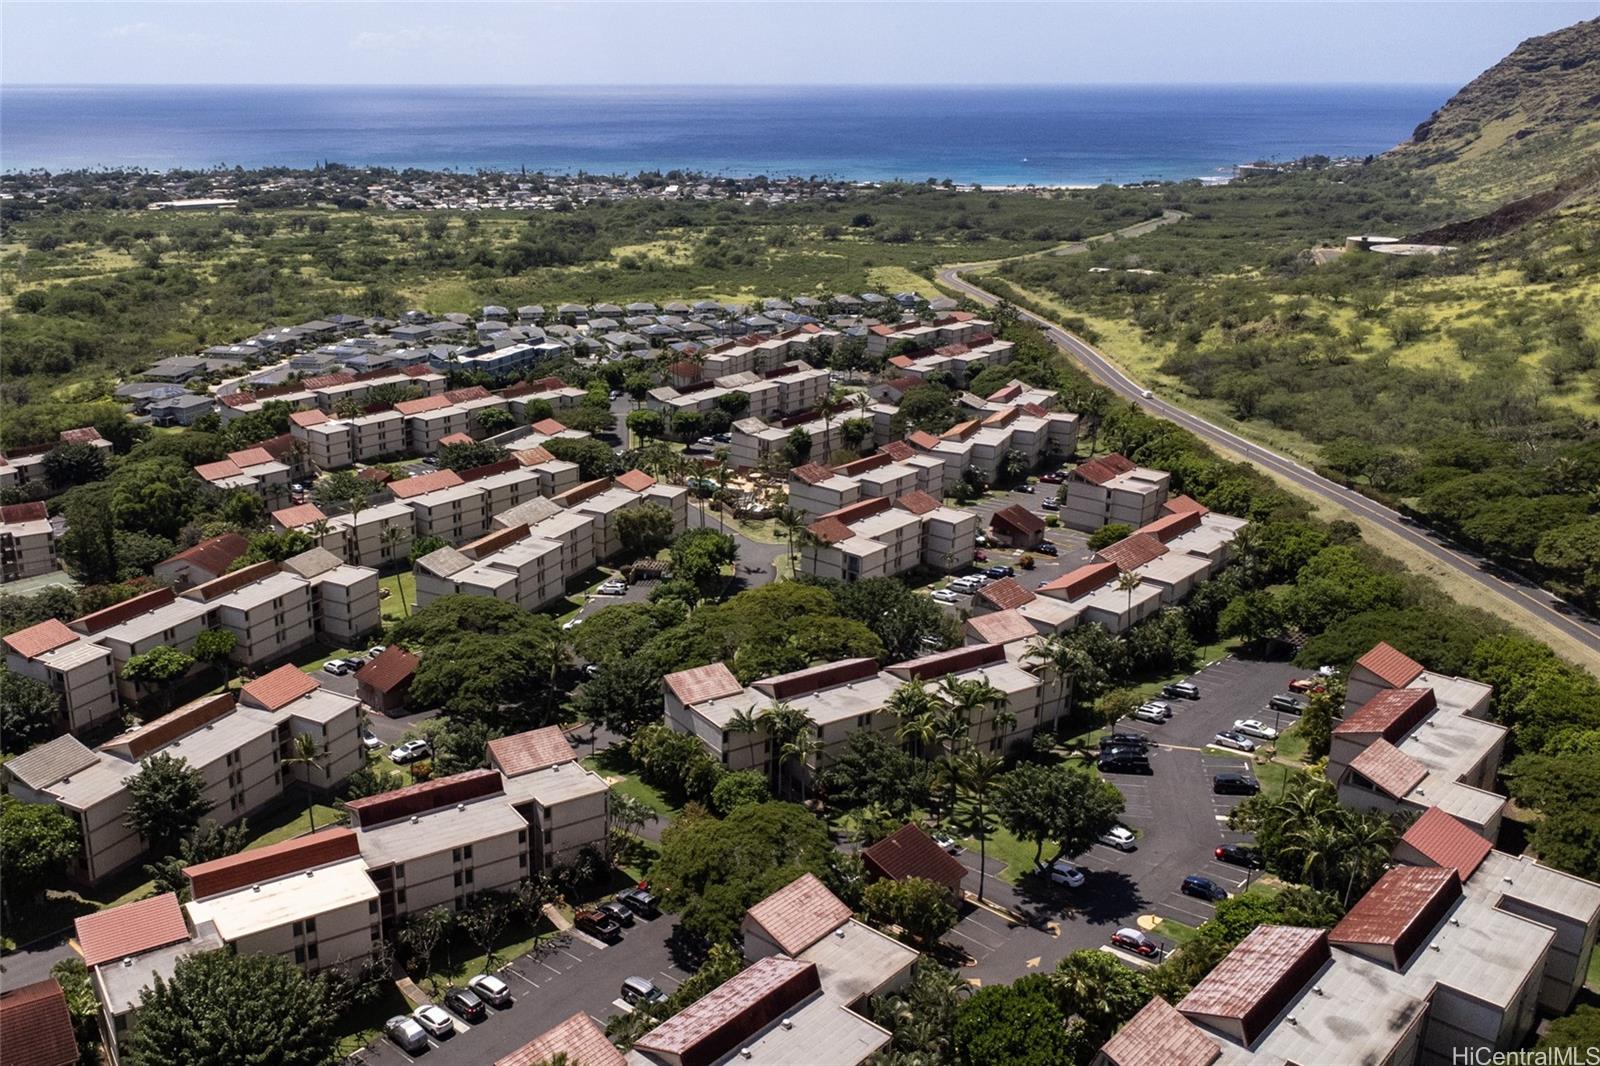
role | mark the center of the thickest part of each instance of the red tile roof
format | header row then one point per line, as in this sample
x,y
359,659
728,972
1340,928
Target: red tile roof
x,y
635,480
478,473
1181,504
131,929
1393,771
903,363
1001,627
301,514
855,512
24,512
815,678
159,732
549,427
1101,470
251,457
1083,580
271,862
117,613
471,392
34,641
280,688
223,468
1159,1036
812,473
214,554
532,456
728,1015
1002,418
829,530
389,669
324,381
578,1038
1392,713
1448,842
1018,518
1132,551
898,450
537,749
862,465
953,661
1259,976
923,440
455,438
1171,525
421,405
962,430
703,683
1005,392
36,1026
236,580
1400,910
405,488
799,914
1391,666
307,419
909,852
1006,594
425,796
917,502
80,436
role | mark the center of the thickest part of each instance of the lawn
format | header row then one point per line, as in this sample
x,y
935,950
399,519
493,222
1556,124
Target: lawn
x,y
617,769
362,1025
459,959
291,821
402,588
1004,847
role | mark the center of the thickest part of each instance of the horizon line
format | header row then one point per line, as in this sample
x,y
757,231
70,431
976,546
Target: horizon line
x,y
569,86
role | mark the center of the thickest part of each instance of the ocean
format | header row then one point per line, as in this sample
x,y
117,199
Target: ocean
x,y
1062,135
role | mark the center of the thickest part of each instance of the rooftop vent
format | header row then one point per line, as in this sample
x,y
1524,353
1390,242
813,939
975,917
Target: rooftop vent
x,y
255,888
128,961
461,806
788,1023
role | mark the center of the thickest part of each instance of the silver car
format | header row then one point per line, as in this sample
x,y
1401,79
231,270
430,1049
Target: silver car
x,y
404,1031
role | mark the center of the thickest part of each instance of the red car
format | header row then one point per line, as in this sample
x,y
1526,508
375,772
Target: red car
x,y
1305,684
1054,477
1136,942
980,556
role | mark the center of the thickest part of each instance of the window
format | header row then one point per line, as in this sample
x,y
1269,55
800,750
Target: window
x,y
311,925
372,906
300,955
469,877
400,870
466,852
547,838
522,859
299,929
457,881
400,897
311,952
455,855
522,836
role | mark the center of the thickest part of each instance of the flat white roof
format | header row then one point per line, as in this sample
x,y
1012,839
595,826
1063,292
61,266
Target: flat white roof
x,y
269,588
440,830
271,904
167,616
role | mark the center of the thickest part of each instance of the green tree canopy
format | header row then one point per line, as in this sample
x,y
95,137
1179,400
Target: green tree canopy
x,y
920,907
29,710
38,842
1014,1025
644,529
166,800
1058,804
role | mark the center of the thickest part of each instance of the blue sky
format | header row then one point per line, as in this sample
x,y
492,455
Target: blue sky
x,y
765,43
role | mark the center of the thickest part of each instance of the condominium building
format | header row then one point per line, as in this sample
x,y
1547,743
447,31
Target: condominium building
x,y
363,538
758,354
566,805
27,542
789,388
1417,740
957,327
607,498
510,564
254,469
1175,553
1112,488
754,442
206,561
79,671
238,747
1030,433
880,537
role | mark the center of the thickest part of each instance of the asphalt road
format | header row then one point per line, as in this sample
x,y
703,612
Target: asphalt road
x,y
1543,605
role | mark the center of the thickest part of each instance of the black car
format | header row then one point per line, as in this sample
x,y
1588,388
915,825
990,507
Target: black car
x,y
1235,785
998,572
639,901
1124,762
618,912
598,924
1203,888
465,1004
1124,740
1047,548
1239,855
1114,752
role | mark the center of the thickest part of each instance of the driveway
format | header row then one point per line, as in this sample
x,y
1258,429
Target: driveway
x,y
569,974
1179,822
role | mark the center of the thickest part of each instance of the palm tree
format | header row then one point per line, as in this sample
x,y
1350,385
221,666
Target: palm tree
x,y
1314,849
1067,661
783,722
800,747
1368,841
792,521
721,474
307,752
914,707
1092,407
834,397
965,701
1127,582
975,772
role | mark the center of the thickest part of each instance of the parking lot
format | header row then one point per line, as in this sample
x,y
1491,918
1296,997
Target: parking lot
x,y
1179,822
568,974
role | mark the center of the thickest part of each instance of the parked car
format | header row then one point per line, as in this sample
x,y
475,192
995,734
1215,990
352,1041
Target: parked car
x,y
1235,785
640,901
598,924
1152,712
980,556
618,912
722,438
947,595
1136,942
465,1004
1252,727
1119,837
1305,684
435,1021
1181,690
1136,741
1239,855
355,662
336,667
1025,487
1050,503
1047,548
1124,762
376,650
1062,872
491,990
998,572
369,739
637,990
1203,888
948,843
1054,477
405,1032
1237,741
613,588
1291,704
410,751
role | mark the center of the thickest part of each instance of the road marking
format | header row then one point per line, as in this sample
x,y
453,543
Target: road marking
x,y
1033,963
670,977
517,973
570,955
552,969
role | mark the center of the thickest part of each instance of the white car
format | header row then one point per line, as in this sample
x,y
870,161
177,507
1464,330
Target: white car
x,y
947,596
1147,394
410,751
1237,741
1252,728
492,989
948,843
1062,872
336,667
1119,837
1152,712
613,588
369,739
377,650
572,624
434,1020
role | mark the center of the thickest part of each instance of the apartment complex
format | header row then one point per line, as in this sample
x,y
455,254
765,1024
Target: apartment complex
x,y
881,537
254,469
80,671
238,746
1113,489
755,353
1460,948
27,542
956,327
842,698
791,387
25,466
206,561
1411,739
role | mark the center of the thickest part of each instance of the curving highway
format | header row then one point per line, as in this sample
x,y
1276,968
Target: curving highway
x,y
1543,606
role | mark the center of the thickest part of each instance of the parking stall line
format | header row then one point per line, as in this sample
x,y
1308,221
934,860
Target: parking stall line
x,y
519,974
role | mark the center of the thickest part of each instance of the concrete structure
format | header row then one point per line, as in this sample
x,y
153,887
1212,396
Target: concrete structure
x,y
882,537
206,561
254,469
1111,489
1417,740
27,542
509,564
237,746
567,806
607,498
79,671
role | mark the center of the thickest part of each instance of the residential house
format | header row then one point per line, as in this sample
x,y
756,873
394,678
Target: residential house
x,y
385,679
1016,527
909,852
36,1026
